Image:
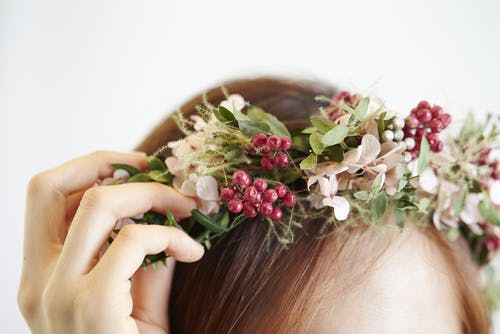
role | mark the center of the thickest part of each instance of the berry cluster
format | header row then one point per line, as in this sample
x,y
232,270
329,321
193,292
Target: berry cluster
x,y
427,121
250,198
272,148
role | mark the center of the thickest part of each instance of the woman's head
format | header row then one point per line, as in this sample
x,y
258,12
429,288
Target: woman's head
x,y
351,279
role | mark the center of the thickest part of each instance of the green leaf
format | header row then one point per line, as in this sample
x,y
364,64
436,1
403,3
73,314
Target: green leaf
x,y
488,211
159,176
310,162
423,205
222,218
171,221
381,122
459,206
424,156
363,195
335,153
276,127
315,142
310,129
129,169
335,136
379,206
155,163
206,221
378,183
453,234
322,125
225,116
141,177
399,217
301,143
362,108
249,128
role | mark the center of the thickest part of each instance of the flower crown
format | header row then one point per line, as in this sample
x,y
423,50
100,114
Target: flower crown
x,y
356,158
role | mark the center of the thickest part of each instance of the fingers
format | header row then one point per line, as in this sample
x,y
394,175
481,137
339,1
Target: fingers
x,y
46,198
125,255
99,210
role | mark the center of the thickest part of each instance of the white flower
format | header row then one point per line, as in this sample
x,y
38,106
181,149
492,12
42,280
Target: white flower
x,y
429,181
470,213
203,188
328,188
234,103
494,190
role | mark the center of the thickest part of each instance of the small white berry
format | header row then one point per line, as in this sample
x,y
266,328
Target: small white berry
x,y
399,123
407,156
410,143
120,174
399,135
387,135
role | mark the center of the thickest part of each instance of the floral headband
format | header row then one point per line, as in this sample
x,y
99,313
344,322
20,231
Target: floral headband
x,y
356,159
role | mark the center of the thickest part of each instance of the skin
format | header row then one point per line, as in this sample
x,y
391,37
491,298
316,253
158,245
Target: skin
x,y
408,290
65,287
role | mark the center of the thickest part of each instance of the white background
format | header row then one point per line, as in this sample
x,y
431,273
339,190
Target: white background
x,y
76,76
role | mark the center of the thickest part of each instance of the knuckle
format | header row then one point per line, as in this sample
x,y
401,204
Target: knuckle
x,y
93,197
129,232
39,182
52,301
27,303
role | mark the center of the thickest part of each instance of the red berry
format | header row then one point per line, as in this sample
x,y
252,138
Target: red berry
x,y
274,142
342,96
290,199
436,111
251,193
281,159
436,125
241,178
260,184
286,143
424,115
281,190
492,243
227,194
259,139
277,214
265,149
270,196
412,121
266,208
249,210
496,174
446,119
419,134
438,147
414,153
267,163
235,206
432,139
423,105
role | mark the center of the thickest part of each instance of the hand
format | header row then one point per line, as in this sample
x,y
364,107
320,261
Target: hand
x,y
65,287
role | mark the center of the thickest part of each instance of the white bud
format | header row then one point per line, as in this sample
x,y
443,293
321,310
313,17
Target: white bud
x,y
407,156
399,123
120,174
399,135
387,135
410,143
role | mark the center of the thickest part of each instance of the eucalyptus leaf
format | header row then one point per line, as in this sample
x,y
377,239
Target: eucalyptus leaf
x,y
488,211
315,142
322,125
363,195
276,127
310,162
460,204
159,176
379,206
399,217
424,156
250,128
225,116
362,108
335,136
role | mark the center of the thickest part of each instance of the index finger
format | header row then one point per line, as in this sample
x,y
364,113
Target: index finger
x,y
45,227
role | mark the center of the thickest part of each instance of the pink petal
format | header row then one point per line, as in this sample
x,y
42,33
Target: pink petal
x,y
206,188
370,149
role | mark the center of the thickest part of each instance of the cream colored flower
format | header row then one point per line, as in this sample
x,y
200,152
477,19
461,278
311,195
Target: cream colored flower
x,y
328,187
203,188
234,103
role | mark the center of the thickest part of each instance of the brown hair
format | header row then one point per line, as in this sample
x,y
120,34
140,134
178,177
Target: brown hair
x,y
243,285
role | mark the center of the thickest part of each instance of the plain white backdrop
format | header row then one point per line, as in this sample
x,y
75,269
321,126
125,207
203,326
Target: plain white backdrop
x,y
77,76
